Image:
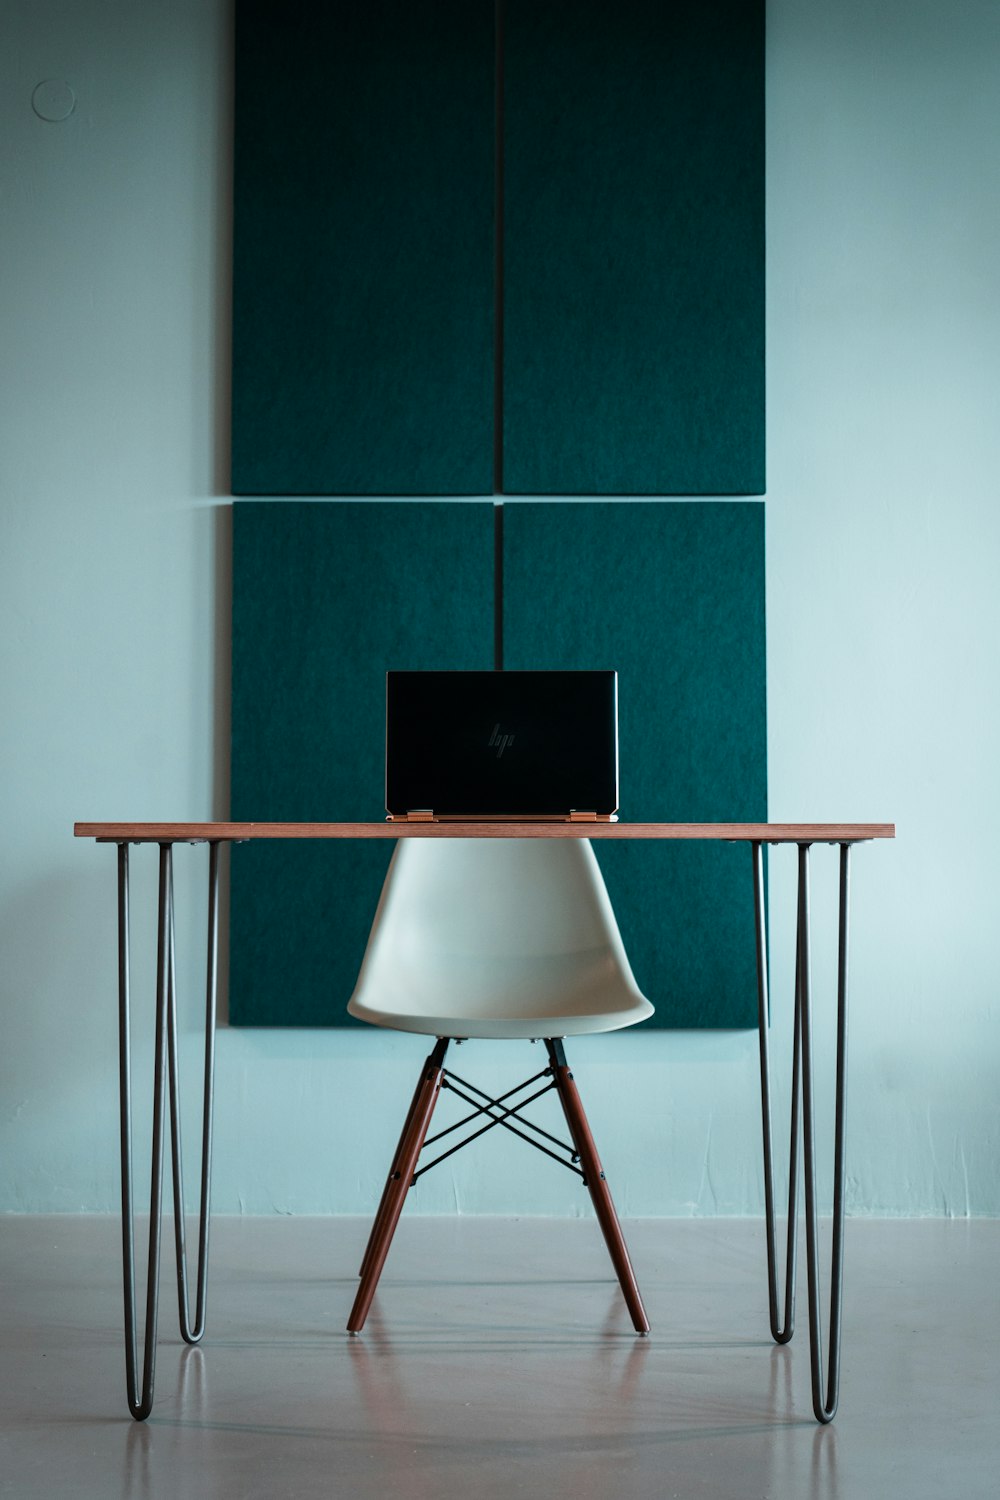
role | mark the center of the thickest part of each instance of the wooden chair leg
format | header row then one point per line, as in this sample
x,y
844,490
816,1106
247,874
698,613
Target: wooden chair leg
x,y
380,1213
600,1193
398,1186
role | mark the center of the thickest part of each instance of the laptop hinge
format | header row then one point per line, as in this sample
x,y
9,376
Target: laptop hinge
x,y
427,815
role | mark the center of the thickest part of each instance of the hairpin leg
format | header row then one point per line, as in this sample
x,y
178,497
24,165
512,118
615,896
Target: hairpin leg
x,y
140,1402
781,1328
192,1333
824,1402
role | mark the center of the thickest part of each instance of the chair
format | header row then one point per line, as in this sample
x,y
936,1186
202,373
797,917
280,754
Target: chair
x,y
501,938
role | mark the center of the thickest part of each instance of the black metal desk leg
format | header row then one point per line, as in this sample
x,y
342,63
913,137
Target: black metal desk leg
x,y
824,1403
140,1404
165,1067
781,1330
192,1333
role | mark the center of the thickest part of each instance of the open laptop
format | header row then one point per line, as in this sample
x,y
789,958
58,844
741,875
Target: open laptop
x,y
517,745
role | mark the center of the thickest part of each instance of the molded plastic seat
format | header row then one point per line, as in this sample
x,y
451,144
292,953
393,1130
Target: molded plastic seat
x,y
496,938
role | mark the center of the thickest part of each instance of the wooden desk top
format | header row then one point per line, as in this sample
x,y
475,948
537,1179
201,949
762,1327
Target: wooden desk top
x,y
765,833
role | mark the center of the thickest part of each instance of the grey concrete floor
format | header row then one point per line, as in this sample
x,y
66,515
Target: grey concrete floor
x,y
499,1361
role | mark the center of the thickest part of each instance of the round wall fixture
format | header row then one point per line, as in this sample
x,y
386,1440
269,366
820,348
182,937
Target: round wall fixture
x,y
53,100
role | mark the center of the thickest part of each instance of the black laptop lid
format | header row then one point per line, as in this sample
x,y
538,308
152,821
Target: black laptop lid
x,y
501,744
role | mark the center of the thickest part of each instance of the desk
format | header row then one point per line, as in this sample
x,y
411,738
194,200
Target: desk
x,y
825,1389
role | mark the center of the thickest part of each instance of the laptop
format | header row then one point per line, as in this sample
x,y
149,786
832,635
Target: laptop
x,y
517,745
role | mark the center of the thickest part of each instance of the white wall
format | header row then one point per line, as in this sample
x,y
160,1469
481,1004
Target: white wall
x,y
883,618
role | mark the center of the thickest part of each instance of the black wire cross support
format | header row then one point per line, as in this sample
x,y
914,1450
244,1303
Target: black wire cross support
x,y
458,1087
165,1070
825,1395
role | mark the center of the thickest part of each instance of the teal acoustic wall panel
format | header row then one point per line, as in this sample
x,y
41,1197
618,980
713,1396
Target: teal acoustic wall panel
x,y
671,595
326,598
633,247
363,253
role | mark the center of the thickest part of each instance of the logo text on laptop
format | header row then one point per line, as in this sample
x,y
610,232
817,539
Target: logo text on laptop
x,y
501,741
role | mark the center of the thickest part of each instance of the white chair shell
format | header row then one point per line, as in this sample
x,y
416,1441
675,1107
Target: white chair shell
x,y
499,938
